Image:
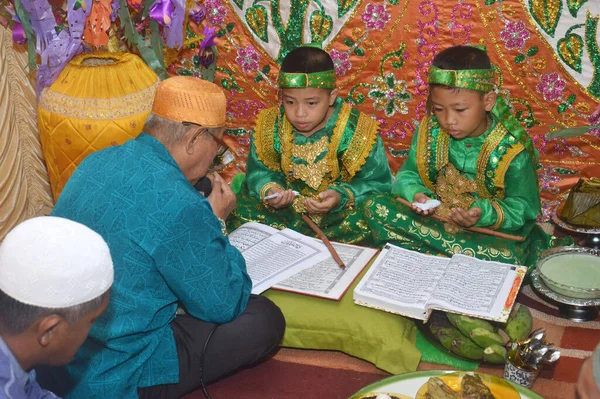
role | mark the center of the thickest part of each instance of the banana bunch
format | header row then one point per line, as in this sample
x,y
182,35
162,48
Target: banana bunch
x,y
478,339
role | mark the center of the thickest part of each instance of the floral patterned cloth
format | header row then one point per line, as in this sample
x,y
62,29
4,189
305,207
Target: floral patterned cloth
x,y
546,52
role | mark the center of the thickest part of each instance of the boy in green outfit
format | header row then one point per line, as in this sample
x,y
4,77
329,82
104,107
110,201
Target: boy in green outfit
x,y
472,155
314,154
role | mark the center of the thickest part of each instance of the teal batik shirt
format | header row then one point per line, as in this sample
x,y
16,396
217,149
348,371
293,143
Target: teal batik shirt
x,y
167,248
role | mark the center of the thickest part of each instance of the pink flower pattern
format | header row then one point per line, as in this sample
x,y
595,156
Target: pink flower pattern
x,y
375,16
514,35
341,62
216,12
551,86
247,58
594,118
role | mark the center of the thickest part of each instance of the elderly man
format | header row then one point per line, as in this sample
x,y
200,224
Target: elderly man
x,y
169,248
55,278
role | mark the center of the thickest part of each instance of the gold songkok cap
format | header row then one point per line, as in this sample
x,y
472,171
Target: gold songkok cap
x,y
187,99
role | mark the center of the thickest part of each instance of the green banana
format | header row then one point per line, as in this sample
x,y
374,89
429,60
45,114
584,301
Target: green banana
x,y
485,338
467,324
464,347
453,318
447,335
519,324
495,354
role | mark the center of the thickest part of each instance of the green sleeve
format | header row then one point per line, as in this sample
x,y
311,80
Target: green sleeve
x,y
374,176
408,182
521,203
257,173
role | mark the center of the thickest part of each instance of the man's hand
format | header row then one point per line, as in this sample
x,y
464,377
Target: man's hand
x,y
284,198
465,218
328,200
222,199
421,198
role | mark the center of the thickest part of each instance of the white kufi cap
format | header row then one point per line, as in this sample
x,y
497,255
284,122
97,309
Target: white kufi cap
x,y
53,262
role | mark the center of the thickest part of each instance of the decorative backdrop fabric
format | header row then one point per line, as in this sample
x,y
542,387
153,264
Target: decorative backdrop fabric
x,y
24,187
546,51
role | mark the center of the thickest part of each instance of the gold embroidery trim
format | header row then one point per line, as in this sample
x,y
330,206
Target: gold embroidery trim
x,y
360,147
265,189
286,137
311,174
98,108
490,144
443,148
336,139
500,215
264,138
423,153
310,152
454,190
505,162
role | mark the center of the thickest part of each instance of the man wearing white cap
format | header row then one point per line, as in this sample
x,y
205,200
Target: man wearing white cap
x,y
168,249
55,276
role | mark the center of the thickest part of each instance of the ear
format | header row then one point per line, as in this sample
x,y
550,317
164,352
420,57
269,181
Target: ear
x,y
48,328
192,138
332,96
489,99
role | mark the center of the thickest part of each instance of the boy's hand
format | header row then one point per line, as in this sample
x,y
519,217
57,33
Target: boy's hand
x,y
422,198
465,218
285,197
328,200
222,199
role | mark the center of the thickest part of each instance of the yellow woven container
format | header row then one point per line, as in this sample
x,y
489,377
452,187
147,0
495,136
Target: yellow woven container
x,y
98,100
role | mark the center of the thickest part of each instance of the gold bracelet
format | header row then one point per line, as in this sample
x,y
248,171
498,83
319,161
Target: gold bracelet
x,y
350,202
499,214
265,189
223,226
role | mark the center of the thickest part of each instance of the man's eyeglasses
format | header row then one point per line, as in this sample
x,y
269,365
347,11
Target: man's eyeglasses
x,y
221,146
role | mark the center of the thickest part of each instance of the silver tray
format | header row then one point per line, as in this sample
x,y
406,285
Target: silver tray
x,y
543,289
571,227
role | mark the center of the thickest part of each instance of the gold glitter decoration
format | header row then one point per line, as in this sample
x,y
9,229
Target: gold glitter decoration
x,y
360,147
454,190
264,143
98,108
310,152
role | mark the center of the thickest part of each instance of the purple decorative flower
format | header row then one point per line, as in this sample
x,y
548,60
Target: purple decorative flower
x,y
595,132
341,62
198,13
206,55
247,58
216,12
375,16
594,119
514,35
551,86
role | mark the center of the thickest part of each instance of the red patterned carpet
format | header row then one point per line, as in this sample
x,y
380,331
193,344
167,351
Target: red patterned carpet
x,y
295,374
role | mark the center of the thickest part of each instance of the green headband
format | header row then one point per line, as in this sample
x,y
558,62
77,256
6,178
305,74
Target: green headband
x,y
318,80
471,79
483,80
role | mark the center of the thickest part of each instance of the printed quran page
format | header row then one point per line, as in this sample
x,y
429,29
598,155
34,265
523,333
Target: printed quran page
x,y
272,255
413,284
327,279
400,281
478,288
